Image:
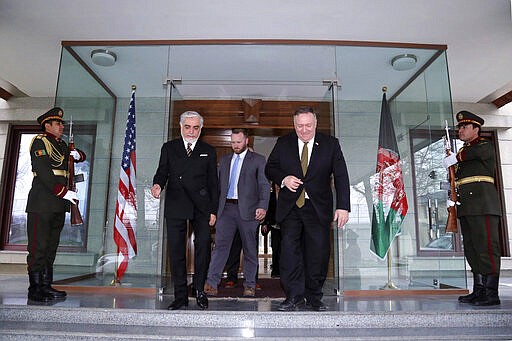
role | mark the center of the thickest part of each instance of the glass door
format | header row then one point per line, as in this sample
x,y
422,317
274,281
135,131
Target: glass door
x,y
155,207
334,281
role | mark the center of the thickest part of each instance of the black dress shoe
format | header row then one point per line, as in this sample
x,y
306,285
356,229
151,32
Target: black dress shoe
x,y
316,305
202,300
291,304
178,303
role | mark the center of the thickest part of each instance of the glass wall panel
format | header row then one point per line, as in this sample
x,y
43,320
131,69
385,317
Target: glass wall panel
x,y
151,120
434,257
156,212
423,256
92,109
84,94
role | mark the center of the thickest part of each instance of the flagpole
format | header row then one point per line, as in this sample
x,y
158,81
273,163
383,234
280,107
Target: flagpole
x,y
389,285
115,282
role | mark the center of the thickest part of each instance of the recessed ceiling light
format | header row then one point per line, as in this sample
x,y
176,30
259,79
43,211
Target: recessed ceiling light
x,y
103,57
404,62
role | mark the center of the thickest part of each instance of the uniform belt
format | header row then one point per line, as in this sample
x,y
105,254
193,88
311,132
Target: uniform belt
x,y
57,172
232,201
476,178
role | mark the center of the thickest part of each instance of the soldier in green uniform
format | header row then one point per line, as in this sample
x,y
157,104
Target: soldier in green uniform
x,y
478,209
47,204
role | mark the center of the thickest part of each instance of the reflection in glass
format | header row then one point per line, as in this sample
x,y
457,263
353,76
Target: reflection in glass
x,y
18,228
431,195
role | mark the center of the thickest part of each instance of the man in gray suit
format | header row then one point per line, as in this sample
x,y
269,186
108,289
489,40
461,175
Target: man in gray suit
x,y
243,203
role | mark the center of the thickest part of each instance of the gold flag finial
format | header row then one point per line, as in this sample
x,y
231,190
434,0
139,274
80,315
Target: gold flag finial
x,y
134,87
384,89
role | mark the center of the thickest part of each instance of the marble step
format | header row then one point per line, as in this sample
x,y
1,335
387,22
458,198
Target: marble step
x,y
56,323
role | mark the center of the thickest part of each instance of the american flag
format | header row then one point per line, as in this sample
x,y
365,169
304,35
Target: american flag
x,y
126,205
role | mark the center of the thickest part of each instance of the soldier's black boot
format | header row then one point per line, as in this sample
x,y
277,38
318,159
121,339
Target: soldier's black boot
x,y
35,290
491,292
478,289
47,280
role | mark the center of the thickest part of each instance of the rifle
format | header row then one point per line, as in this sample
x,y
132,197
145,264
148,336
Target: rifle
x,y
451,223
76,217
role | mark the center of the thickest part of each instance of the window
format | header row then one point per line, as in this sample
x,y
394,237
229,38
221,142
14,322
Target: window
x,y
18,181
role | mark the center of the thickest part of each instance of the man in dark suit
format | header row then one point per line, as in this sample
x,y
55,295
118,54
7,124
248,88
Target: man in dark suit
x,y
47,204
478,209
188,167
243,203
303,163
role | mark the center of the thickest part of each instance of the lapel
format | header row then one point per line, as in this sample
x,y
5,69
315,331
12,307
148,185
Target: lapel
x,y
247,157
182,151
196,151
225,169
315,151
295,158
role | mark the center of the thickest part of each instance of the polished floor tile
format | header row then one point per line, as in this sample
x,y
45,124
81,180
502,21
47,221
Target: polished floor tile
x,y
13,289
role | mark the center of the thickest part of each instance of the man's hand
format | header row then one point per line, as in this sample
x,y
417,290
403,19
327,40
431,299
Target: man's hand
x,y
265,229
292,183
155,191
341,216
450,160
213,219
71,196
260,214
75,154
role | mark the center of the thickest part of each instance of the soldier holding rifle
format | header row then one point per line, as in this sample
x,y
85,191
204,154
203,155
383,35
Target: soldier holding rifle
x,y
478,208
48,201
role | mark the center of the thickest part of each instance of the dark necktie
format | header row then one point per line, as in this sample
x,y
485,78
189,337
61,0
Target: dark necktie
x,y
304,164
189,150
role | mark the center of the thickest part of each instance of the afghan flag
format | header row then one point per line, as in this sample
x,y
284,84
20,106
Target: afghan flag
x,y
389,200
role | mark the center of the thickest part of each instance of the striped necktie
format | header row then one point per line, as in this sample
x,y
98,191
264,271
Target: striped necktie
x,y
189,150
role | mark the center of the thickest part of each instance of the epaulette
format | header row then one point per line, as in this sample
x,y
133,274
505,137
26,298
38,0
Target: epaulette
x,y
37,137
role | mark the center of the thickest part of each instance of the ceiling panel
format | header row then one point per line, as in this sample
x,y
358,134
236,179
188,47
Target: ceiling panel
x,y
257,71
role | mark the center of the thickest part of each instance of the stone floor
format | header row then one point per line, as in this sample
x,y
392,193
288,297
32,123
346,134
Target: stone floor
x,y
106,315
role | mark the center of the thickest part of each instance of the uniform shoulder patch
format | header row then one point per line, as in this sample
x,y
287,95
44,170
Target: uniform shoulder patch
x,y
40,152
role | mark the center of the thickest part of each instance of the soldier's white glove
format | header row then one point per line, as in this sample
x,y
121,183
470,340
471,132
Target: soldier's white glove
x,y
450,160
451,203
71,196
75,154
